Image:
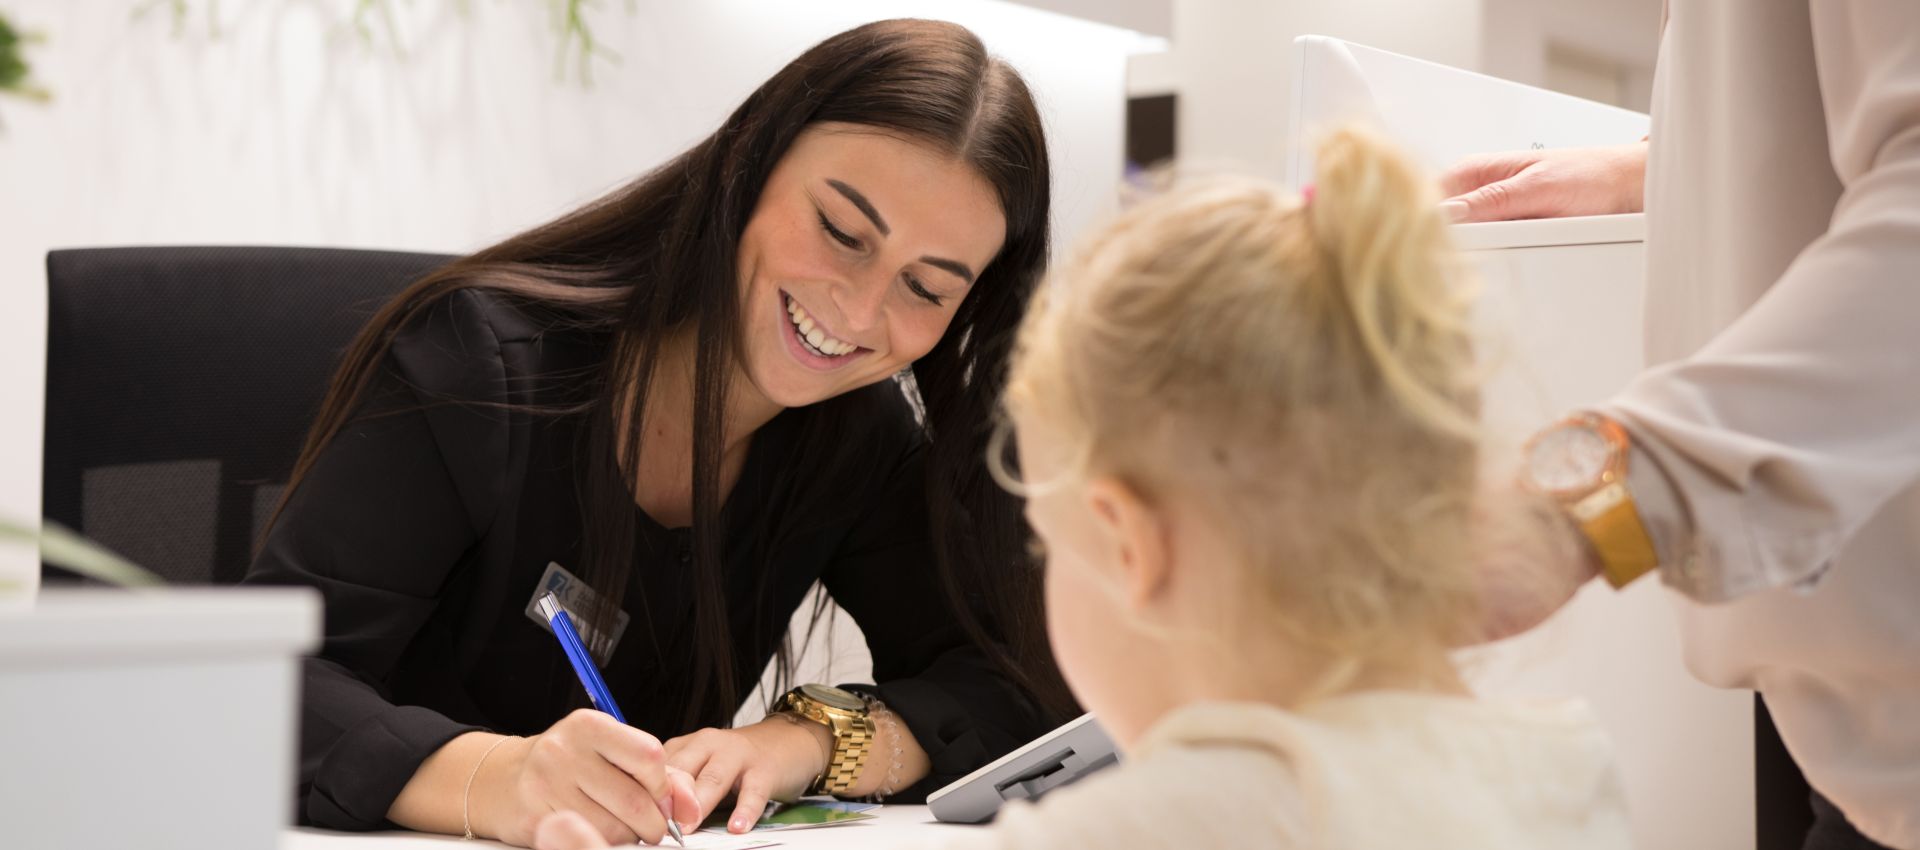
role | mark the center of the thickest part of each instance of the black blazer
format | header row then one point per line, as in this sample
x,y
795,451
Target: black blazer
x,y
427,525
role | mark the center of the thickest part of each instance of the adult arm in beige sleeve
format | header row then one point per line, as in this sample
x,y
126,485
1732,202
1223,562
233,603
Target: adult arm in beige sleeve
x,y
1759,456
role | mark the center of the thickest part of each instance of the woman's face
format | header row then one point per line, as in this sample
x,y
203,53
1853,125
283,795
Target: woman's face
x,y
855,260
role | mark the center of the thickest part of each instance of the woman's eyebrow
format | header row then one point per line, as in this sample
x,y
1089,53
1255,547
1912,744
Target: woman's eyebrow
x,y
954,266
865,205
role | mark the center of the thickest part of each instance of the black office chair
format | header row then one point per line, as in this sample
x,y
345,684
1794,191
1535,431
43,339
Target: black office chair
x,y
180,384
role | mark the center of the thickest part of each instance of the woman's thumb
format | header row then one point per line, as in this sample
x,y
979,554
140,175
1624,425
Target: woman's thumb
x,y
1519,196
683,802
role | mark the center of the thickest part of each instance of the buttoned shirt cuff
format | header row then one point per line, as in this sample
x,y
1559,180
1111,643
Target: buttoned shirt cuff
x,y
1714,545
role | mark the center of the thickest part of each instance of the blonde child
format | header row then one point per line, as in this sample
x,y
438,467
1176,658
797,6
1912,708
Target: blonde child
x,y
1246,423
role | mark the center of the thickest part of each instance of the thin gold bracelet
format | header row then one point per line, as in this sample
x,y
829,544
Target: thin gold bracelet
x,y
466,797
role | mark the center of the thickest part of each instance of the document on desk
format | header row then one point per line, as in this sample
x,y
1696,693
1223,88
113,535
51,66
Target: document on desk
x,y
712,841
781,816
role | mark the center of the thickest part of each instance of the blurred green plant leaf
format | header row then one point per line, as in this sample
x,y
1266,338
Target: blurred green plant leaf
x,y
374,21
62,547
16,77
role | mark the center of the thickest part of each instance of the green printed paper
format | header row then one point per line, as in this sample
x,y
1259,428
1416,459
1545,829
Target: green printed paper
x,y
804,815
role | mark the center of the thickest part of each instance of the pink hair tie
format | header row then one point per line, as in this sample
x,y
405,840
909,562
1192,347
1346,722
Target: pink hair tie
x,y
1306,194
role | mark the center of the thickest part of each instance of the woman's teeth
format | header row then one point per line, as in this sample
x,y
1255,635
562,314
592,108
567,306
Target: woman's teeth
x,y
813,336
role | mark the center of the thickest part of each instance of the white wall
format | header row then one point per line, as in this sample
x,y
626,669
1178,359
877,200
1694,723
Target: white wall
x,y
1147,17
1518,38
286,128
1230,59
1231,64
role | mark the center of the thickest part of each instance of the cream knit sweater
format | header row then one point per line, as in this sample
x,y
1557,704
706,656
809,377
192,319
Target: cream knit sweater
x,y
1371,770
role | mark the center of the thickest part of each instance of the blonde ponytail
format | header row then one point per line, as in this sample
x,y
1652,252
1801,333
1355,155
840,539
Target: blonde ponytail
x,y
1303,370
1376,219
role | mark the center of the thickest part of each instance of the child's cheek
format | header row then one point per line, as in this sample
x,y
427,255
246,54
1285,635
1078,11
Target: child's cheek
x,y
1074,626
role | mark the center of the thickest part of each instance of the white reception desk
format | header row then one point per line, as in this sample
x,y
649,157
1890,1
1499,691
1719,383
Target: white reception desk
x,y
1561,313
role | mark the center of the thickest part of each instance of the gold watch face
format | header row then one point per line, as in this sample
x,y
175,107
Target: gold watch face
x,y
1569,459
833,697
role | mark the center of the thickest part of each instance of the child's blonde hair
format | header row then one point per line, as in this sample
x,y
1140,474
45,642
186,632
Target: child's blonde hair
x,y
1299,366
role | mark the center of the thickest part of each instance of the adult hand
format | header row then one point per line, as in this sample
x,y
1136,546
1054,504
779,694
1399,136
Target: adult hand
x,y
567,831
1546,183
773,759
1531,561
615,777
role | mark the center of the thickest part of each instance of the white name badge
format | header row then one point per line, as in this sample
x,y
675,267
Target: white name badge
x,y
575,596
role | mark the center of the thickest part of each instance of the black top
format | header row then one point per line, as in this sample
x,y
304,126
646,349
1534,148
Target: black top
x,y
427,528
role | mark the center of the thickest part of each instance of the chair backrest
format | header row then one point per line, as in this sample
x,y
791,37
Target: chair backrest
x,y
181,382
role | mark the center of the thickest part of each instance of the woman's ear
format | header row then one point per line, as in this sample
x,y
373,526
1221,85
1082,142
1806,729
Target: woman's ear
x,y
1136,537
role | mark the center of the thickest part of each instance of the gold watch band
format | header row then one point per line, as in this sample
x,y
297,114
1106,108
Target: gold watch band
x,y
851,745
852,729
1612,525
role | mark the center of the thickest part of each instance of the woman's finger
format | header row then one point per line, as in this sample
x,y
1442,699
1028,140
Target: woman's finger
x,y
689,764
1520,196
687,757
603,822
567,830
715,781
637,753
1477,171
637,808
676,745
684,802
751,802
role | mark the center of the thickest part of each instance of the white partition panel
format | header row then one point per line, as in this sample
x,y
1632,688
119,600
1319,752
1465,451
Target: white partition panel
x,y
1560,317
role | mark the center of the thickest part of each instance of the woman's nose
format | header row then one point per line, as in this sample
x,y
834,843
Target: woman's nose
x,y
862,302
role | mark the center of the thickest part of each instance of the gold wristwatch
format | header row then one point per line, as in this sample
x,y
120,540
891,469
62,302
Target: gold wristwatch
x,y
844,714
1581,462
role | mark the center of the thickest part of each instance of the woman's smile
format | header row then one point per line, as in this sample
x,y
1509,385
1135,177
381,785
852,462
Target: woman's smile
x,y
811,343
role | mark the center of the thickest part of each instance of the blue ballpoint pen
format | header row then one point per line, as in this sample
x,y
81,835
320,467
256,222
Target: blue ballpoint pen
x,y
589,674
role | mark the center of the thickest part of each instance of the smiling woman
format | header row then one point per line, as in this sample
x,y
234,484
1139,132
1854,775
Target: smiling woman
x,y
846,291
674,409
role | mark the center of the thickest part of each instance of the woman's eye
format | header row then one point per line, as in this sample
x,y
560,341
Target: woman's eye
x,y
838,235
847,241
921,290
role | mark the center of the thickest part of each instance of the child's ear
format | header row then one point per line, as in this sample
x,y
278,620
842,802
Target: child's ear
x,y
1137,537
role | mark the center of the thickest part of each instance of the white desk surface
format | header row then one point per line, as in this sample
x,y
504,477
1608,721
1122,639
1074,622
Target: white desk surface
x,y
894,827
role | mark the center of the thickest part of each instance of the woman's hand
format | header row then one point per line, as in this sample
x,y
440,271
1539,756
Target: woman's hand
x,y
1531,561
1546,183
615,777
567,831
773,759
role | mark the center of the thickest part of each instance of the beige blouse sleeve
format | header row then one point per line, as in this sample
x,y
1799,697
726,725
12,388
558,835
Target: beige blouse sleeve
x,y
1759,455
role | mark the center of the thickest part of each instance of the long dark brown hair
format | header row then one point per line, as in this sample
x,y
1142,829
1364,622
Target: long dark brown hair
x,y
659,254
